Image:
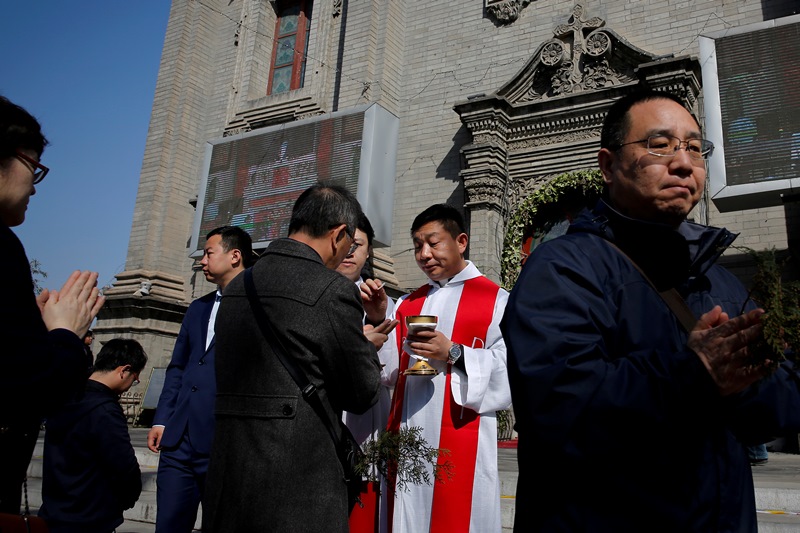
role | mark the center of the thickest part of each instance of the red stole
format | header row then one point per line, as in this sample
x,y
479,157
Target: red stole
x,y
460,425
365,518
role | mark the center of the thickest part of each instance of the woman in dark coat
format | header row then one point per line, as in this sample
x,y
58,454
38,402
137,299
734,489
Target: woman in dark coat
x,y
43,363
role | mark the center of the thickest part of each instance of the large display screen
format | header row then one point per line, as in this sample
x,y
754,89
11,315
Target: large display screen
x,y
752,104
252,180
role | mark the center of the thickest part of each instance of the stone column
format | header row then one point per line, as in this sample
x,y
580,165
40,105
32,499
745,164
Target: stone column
x,y
485,177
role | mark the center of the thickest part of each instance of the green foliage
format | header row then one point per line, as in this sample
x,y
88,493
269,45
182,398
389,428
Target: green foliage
x,y
563,195
408,454
781,301
505,424
38,275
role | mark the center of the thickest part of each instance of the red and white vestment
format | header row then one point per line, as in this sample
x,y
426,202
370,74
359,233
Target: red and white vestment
x,y
456,410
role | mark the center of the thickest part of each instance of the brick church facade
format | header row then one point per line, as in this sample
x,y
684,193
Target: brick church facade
x,y
493,98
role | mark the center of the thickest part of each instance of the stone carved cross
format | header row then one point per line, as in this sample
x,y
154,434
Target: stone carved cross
x,y
575,26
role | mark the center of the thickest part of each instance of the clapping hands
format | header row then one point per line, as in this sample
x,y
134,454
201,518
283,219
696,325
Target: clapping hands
x,y
722,344
75,306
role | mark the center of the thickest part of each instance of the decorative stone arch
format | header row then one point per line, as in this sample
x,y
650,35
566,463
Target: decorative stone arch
x,y
557,201
546,120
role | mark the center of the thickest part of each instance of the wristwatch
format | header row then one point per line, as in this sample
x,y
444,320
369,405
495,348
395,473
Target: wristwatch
x,y
455,353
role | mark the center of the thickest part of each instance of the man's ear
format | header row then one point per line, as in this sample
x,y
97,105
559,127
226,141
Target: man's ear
x,y
605,161
236,257
342,232
336,234
339,232
462,240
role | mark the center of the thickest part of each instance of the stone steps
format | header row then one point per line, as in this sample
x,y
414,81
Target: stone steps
x,y
777,491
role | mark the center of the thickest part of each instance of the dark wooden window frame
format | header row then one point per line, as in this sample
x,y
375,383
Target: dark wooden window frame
x,y
301,43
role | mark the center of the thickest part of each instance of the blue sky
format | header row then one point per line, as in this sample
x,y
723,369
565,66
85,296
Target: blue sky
x,y
87,70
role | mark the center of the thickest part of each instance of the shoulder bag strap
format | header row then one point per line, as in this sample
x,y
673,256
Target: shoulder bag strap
x,y
309,390
671,297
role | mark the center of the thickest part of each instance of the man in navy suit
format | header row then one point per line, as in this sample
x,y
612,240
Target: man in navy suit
x,y
183,426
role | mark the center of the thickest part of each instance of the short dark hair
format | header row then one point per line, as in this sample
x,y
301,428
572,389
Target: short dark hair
x,y
120,352
368,270
322,207
617,122
366,227
447,215
18,131
235,238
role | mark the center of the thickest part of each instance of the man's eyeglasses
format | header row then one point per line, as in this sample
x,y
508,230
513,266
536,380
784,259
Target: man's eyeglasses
x,y
39,170
668,146
350,233
354,247
135,377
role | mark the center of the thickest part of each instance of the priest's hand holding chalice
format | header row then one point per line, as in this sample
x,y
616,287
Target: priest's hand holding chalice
x,y
421,329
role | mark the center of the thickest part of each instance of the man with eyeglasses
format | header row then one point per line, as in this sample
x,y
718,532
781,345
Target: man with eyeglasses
x,y
630,418
90,472
274,466
43,362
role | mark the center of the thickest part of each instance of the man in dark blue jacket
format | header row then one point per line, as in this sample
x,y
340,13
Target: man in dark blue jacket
x,y
626,421
183,426
90,470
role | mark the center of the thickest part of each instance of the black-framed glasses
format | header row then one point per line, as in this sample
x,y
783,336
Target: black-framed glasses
x,y
350,233
668,146
135,377
39,170
354,247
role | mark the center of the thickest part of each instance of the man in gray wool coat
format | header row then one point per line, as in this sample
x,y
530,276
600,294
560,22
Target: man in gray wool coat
x,y
273,464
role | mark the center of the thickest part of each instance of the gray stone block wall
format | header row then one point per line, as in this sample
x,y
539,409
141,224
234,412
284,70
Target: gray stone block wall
x,y
417,59
163,215
452,52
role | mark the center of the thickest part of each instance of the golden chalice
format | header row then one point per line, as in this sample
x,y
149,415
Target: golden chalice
x,y
415,324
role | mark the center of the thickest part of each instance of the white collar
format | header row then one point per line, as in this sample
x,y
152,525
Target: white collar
x,y
468,272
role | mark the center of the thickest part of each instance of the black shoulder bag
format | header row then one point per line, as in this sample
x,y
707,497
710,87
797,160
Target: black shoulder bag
x,y
347,448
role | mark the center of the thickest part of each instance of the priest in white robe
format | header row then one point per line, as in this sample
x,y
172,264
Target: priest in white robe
x,y
456,408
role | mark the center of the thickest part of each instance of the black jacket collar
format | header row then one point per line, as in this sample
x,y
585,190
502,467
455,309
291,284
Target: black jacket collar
x,y
671,257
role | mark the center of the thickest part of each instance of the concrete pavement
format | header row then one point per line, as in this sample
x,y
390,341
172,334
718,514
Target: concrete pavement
x,y
777,486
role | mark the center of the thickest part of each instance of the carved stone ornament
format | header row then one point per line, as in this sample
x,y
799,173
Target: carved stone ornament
x,y
505,11
576,59
485,191
582,56
521,189
554,139
546,120
552,53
